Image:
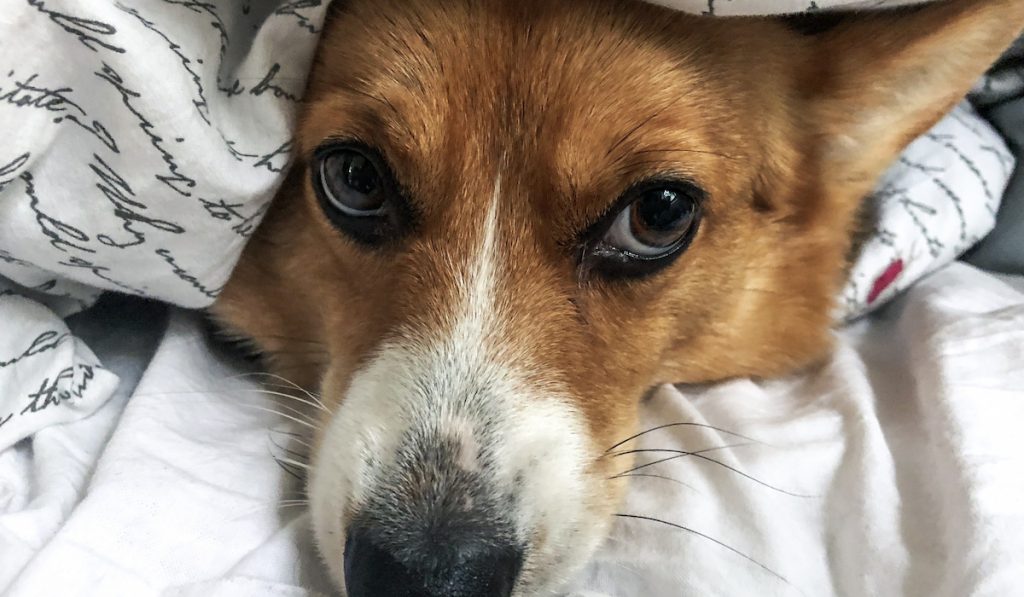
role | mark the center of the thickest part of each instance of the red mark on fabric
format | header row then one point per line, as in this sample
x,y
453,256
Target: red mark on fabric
x,y
885,280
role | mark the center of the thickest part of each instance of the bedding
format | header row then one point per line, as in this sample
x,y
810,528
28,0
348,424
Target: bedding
x,y
891,470
113,178
142,141
1001,96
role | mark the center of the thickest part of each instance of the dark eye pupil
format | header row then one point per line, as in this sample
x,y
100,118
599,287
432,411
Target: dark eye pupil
x,y
359,174
352,182
661,217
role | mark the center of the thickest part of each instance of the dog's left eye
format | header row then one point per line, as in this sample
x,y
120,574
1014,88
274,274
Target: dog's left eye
x,y
655,225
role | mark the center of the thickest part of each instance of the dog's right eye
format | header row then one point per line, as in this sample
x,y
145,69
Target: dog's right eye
x,y
357,192
351,183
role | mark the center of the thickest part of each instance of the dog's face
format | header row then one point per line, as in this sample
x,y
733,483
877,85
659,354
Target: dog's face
x,y
508,220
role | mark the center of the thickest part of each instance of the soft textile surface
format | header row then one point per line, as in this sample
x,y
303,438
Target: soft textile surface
x,y
894,470
142,142
1002,95
142,159
938,200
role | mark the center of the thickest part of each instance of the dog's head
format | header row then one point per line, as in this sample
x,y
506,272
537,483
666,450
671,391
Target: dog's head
x,y
508,220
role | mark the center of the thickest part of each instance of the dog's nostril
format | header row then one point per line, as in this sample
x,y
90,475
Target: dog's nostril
x,y
467,569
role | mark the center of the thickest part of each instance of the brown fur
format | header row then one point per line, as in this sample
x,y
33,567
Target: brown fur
x,y
573,101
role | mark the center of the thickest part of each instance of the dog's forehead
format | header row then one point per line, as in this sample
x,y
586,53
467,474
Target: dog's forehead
x,y
571,104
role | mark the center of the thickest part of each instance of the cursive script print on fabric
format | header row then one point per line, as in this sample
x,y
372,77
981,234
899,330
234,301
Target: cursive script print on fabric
x,y
267,84
43,342
126,207
168,92
177,181
26,93
70,383
62,236
9,170
92,33
202,107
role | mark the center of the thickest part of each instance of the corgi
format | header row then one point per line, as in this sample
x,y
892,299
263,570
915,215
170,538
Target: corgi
x,y
507,221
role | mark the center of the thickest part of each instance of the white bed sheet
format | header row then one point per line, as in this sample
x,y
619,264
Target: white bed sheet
x,y
907,448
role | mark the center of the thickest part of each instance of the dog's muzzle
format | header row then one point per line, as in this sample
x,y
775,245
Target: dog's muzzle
x,y
443,474
433,528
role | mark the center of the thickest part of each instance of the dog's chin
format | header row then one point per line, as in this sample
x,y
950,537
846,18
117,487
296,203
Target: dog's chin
x,y
431,453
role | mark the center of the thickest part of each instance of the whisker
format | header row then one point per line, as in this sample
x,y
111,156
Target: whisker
x,y
285,468
713,540
295,437
292,462
636,128
233,392
699,454
291,408
294,434
306,423
677,454
662,477
685,424
282,386
675,451
294,453
299,492
642,124
311,396
755,479
297,412
290,418
290,397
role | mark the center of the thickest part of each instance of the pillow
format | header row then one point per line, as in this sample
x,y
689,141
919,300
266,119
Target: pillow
x,y
939,199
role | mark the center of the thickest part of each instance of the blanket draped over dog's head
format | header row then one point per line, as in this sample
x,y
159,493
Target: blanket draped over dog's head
x,y
142,142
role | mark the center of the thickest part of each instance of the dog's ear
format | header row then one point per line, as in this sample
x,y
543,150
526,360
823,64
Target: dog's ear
x,y
876,81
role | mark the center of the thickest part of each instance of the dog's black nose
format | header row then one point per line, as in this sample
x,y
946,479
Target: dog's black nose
x,y
466,568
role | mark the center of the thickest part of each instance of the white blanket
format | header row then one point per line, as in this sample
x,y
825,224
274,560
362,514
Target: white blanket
x,y
895,469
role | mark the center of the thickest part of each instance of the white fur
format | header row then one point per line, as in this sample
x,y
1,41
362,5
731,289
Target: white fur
x,y
528,431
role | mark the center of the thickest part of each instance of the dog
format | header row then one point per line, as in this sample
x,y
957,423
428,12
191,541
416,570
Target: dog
x,y
507,221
